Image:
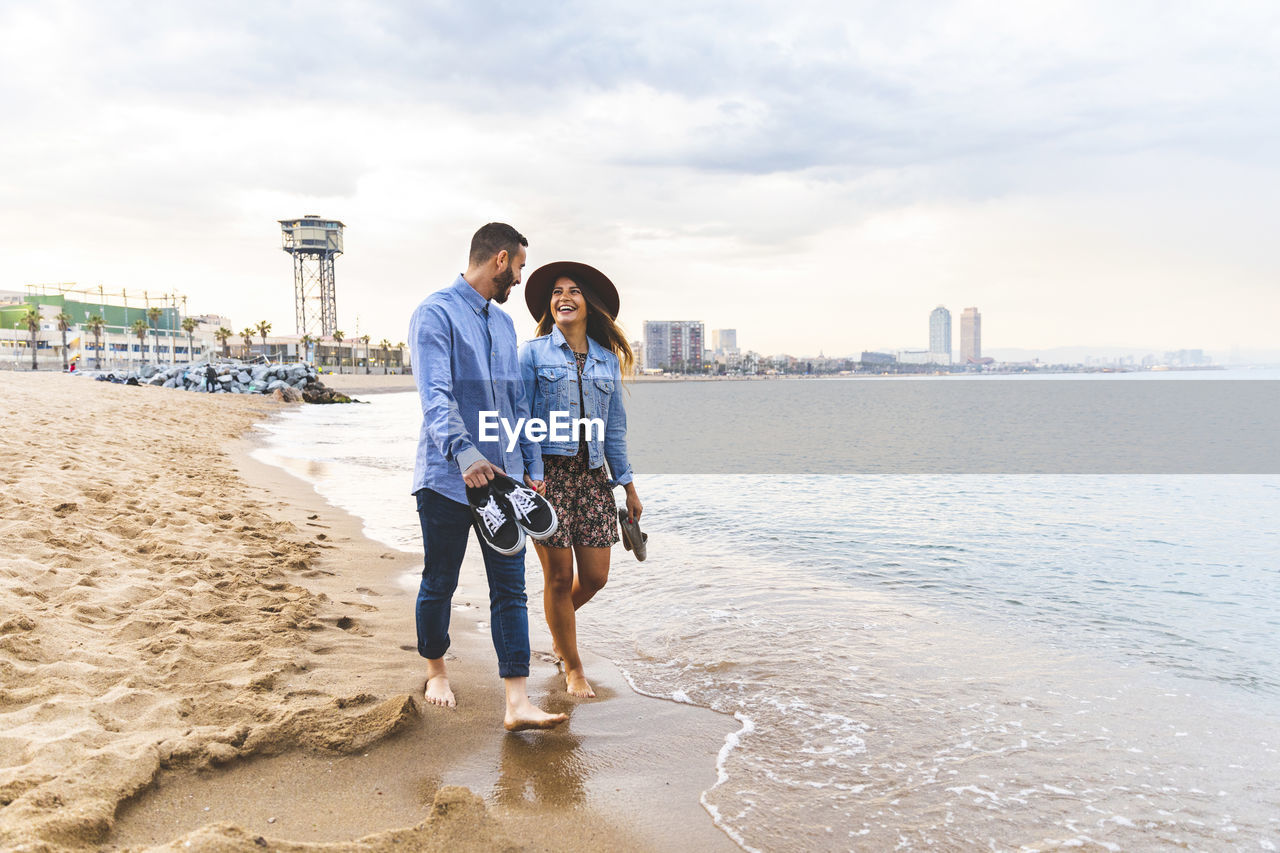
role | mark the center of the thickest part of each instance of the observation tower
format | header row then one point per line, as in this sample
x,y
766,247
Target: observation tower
x,y
314,243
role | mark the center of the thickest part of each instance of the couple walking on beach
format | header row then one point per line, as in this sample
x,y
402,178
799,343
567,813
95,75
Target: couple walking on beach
x,y
469,374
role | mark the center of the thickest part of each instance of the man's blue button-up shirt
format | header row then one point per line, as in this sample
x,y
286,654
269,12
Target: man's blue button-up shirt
x,y
465,362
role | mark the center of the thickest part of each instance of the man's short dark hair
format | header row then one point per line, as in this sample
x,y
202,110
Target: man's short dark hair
x,y
492,239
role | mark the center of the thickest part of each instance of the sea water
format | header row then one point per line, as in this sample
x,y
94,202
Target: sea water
x,y
924,661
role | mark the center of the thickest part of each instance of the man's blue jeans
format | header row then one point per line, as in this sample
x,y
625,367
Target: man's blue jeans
x,y
446,525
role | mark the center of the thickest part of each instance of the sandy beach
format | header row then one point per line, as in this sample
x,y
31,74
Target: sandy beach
x,y
198,652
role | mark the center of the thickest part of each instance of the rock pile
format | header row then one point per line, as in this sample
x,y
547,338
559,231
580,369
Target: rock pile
x,y
288,382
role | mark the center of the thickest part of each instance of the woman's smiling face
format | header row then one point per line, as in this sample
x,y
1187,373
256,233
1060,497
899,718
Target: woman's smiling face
x,y
568,305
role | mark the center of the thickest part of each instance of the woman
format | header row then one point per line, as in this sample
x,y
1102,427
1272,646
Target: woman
x,y
576,366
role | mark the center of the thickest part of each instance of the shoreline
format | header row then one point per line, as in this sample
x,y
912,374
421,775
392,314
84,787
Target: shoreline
x,y
206,652
537,774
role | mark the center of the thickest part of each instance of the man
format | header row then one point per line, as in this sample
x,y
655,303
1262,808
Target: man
x,y
464,358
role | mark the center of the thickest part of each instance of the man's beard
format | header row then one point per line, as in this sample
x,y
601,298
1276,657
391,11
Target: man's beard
x,y
505,280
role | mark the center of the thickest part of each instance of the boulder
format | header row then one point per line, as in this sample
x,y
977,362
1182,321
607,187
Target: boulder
x,y
324,395
287,394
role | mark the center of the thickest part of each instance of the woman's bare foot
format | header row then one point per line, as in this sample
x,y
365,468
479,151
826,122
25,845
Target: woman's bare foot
x,y
528,716
438,691
576,684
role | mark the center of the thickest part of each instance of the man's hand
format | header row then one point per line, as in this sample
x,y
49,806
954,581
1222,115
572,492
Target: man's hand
x,y
480,473
536,485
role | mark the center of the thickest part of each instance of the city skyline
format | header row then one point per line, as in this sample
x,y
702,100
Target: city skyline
x,y
809,173
715,344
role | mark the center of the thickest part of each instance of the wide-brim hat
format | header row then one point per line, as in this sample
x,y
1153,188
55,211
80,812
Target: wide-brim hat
x,y
537,290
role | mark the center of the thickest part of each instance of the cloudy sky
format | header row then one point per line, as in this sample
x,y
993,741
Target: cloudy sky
x,y
818,175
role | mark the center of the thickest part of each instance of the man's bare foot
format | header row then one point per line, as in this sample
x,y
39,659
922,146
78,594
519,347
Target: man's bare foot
x,y
576,684
528,716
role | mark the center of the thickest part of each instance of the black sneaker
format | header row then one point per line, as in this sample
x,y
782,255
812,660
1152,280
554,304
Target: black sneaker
x,y
496,528
531,510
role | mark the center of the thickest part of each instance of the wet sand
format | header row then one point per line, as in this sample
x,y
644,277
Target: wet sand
x,y
198,652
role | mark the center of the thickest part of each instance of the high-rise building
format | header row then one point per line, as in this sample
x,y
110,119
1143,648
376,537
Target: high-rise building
x,y
940,335
970,335
674,345
724,341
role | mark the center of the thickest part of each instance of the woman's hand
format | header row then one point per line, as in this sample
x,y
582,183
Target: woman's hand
x,y
634,507
536,485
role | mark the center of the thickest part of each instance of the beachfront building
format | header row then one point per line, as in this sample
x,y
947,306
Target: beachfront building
x,y
673,345
915,356
940,335
117,342
165,341
333,354
357,355
971,336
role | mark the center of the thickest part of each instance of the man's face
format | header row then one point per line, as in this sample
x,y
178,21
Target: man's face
x,y
509,274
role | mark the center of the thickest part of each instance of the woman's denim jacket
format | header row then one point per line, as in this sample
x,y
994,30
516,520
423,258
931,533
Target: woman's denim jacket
x,y
551,384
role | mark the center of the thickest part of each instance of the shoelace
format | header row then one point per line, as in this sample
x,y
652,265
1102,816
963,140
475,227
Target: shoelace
x,y
492,516
521,502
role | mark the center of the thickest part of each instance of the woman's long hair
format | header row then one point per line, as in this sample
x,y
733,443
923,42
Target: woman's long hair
x,y
600,327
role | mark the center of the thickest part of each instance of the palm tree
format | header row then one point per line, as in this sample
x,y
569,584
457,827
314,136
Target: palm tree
x,y
337,340
246,335
306,342
140,329
364,339
263,328
153,315
223,335
32,319
64,324
384,345
189,326
96,324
